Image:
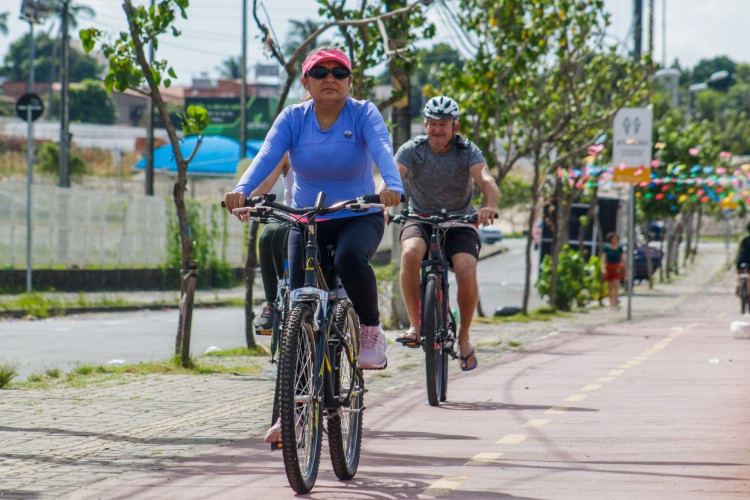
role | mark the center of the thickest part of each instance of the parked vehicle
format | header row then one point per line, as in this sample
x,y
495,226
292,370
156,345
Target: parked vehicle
x,y
490,234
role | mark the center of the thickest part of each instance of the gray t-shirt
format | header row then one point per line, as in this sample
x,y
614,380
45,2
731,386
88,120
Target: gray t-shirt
x,y
441,181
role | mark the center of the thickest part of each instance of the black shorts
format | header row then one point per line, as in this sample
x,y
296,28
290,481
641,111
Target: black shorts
x,y
458,239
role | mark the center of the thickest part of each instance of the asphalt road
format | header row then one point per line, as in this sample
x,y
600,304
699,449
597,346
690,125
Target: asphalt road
x,y
142,336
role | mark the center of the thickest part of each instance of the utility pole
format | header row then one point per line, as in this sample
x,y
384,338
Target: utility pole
x,y
637,29
150,128
64,102
243,81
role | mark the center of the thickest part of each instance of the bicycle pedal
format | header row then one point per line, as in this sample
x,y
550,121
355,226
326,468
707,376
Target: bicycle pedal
x,y
276,446
264,333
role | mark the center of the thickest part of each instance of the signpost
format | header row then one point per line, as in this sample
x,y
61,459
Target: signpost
x,y
631,159
29,107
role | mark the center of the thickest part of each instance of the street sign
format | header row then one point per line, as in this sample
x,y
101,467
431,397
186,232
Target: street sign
x,y
29,101
632,174
632,138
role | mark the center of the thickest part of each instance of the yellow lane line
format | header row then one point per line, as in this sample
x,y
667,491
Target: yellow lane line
x,y
483,458
591,387
576,397
605,379
512,438
616,372
555,410
443,487
536,422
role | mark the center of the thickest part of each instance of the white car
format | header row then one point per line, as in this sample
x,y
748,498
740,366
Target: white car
x,y
490,234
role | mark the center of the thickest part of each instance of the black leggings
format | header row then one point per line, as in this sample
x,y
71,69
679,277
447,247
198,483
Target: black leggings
x,y
271,250
356,239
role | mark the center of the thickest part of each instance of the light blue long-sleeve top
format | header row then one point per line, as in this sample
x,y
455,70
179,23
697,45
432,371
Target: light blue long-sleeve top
x,y
337,161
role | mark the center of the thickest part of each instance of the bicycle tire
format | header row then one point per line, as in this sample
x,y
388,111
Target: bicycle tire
x,y
345,425
745,303
299,401
431,323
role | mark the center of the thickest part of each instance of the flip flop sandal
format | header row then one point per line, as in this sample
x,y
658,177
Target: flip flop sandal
x,y
464,362
409,339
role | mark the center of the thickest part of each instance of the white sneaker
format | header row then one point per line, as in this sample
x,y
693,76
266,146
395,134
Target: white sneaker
x,y
372,347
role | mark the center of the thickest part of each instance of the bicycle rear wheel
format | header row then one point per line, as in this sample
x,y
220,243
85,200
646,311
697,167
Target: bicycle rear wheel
x,y
745,304
299,401
345,424
432,321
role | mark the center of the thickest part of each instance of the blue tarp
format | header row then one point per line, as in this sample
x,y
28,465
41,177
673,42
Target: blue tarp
x,y
218,155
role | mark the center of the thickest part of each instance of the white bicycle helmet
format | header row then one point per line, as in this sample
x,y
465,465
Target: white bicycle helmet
x,y
442,108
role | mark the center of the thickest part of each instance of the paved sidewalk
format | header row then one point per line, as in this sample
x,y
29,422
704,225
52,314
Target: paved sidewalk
x,y
61,443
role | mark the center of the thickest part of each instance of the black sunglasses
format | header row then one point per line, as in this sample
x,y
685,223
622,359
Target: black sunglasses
x,y
339,72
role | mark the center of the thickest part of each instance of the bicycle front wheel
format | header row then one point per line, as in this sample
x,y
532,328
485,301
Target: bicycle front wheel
x,y
299,401
345,424
745,306
432,322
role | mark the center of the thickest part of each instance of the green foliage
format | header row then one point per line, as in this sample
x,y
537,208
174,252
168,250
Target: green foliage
x,y
16,63
212,269
514,191
573,273
194,120
593,283
8,372
48,161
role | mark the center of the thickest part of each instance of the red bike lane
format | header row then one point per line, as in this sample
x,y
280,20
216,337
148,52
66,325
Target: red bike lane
x,y
658,408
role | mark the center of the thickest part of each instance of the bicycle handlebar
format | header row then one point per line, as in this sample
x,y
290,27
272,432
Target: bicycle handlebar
x,y
359,204
435,218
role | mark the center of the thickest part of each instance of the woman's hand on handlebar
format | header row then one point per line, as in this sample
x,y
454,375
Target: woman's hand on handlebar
x,y
485,215
233,200
390,198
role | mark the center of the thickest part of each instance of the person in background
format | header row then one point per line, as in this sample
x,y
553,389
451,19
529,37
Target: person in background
x,y
614,267
743,257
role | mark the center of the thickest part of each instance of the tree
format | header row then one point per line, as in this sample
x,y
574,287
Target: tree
x,y
540,85
16,63
231,68
4,23
91,103
129,68
48,159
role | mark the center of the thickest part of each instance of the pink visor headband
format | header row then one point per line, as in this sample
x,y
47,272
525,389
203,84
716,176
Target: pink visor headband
x,y
326,56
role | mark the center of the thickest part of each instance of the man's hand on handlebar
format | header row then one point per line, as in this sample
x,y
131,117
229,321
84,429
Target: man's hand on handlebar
x,y
485,215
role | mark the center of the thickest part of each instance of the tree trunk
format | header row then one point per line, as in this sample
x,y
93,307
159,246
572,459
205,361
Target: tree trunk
x,y
698,226
250,262
688,235
557,223
530,235
188,278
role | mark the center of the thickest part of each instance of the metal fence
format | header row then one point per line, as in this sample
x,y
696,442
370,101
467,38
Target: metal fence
x,y
76,227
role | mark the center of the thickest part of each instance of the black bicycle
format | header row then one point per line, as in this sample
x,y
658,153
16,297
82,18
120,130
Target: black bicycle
x,y
319,347
437,322
742,292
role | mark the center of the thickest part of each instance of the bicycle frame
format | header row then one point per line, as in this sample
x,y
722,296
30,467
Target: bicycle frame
x,y
438,264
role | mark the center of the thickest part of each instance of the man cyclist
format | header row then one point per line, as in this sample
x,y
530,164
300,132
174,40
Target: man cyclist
x,y
439,170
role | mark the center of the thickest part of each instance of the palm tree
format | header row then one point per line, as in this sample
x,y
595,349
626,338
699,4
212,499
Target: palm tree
x,y
231,68
298,33
4,23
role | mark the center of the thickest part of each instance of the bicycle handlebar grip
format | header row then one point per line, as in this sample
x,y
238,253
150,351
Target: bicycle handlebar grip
x,y
251,202
375,198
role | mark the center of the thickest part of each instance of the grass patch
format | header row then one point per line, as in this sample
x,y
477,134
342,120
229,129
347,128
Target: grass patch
x,y
40,306
544,313
8,372
240,351
84,375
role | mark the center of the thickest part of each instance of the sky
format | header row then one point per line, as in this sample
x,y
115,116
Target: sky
x,y
695,29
